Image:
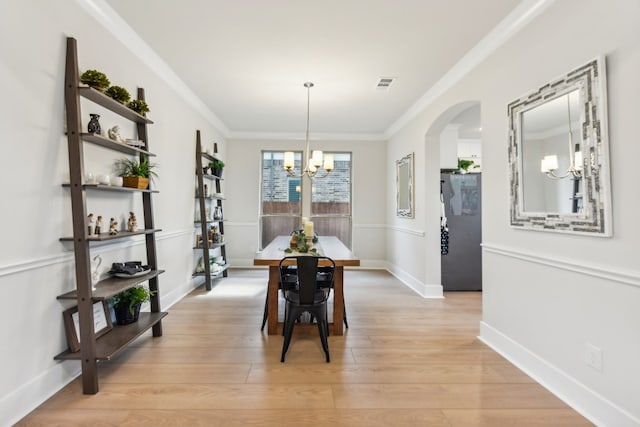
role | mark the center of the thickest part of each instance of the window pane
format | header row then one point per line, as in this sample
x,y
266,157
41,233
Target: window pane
x,y
280,199
331,200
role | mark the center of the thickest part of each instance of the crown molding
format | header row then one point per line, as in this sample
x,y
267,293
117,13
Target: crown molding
x,y
297,136
118,27
511,24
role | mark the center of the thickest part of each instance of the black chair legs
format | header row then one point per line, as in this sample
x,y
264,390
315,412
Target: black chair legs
x,y
266,311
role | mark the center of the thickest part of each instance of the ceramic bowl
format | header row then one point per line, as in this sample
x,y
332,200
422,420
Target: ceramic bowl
x,y
104,180
116,181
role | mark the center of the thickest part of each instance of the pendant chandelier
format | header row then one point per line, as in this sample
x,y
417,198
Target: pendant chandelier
x,y
312,160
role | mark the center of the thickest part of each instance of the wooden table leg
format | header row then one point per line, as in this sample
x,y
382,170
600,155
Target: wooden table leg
x,y
338,301
272,290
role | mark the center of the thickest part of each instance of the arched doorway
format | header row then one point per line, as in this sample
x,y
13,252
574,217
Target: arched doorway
x,y
456,121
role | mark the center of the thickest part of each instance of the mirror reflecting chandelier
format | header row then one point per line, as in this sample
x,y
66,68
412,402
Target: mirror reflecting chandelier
x,y
314,159
549,163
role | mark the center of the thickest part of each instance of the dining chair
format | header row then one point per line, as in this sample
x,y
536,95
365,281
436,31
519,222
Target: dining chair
x,y
288,280
306,298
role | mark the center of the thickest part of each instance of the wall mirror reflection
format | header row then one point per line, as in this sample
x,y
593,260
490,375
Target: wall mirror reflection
x,y
558,154
404,186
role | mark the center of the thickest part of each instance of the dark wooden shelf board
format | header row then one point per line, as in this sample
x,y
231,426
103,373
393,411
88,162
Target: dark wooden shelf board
x,y
104,187
211,198
113,285
209,156
212,177
226,266
106,236
118,146
111,343
111,104
209,221
211,246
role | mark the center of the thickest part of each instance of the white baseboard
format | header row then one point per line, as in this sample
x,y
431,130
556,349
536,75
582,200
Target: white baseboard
x,y
425,290
590,404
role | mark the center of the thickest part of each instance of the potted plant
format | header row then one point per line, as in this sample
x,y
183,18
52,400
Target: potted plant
x,y
127,304
95,79
216,167
134,173
464,165
139,106
118,93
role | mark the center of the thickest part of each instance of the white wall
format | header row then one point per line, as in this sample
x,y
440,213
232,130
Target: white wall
x,y
547,295
34,266
242,177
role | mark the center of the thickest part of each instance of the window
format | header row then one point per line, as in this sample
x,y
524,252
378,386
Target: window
x,y
331,200
280,207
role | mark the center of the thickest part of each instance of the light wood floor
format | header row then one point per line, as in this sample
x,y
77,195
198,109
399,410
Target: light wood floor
x,y
404,361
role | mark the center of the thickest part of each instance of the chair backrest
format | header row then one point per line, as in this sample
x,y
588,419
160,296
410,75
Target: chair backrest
x,y
307,273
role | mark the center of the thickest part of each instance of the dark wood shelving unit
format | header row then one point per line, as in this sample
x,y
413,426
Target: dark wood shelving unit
x,y
93,349
103,237
111,286
104,187
113,145
110,344
204,222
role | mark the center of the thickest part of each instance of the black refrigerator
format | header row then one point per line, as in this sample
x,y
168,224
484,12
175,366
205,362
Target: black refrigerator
x,y
461,254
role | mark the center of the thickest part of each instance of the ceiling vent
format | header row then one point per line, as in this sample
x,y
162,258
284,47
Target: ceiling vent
x,y
384,83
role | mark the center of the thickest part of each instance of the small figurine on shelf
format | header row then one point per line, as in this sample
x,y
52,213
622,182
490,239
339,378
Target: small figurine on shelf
x,y
94,125
98,228
132,223
91,225
114,134
113,227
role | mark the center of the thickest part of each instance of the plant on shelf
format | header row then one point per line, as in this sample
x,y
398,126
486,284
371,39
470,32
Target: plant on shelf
x,y
464,165
134,173
95,79
118,93
127,304
139,106
216,167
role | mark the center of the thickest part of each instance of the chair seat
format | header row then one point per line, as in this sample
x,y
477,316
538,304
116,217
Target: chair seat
x,y
293,296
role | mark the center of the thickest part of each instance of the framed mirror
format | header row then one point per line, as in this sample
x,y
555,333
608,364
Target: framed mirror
x,y
558,155
404,186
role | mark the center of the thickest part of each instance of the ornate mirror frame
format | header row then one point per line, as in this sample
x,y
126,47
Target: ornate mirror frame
x,y
404,186
594,216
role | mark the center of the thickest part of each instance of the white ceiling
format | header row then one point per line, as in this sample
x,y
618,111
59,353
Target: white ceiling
x,y
247,60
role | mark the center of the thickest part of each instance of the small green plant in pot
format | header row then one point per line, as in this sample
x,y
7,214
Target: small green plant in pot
x,y
216,167
95,79
134,173
118,93
139,106
127,304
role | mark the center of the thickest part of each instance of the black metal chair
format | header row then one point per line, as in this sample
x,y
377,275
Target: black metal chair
x,y
288,274
306,298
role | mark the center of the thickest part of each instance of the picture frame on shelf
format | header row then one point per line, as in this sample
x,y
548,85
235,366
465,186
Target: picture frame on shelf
x,y
101,323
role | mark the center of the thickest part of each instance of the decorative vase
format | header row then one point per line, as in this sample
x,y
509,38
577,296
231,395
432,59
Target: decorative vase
x,y
217,213
124,316
94,124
